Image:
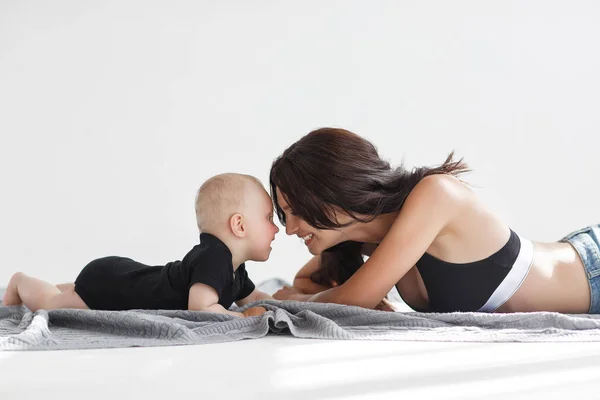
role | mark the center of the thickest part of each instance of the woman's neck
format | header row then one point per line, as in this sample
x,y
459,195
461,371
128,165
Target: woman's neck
x,y
374,231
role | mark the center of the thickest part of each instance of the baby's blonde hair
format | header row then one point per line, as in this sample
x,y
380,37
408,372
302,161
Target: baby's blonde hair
x,y
221,196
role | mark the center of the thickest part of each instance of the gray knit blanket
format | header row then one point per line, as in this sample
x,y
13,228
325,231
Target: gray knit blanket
x,y
89,329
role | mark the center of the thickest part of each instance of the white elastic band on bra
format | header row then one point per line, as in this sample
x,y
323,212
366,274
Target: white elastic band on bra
x,y
513,280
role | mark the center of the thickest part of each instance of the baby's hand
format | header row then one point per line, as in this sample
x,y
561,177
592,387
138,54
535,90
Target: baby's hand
x,y
254,311
385,305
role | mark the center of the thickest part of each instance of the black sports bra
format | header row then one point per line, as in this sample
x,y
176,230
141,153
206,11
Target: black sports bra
x,y
476,286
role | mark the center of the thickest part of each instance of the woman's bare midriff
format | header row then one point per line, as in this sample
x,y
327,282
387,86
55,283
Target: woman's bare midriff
x,y
557,282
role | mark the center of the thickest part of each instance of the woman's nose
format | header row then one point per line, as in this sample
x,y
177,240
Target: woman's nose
x,y
290,226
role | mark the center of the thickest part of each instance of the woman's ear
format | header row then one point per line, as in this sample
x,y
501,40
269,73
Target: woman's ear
x,y
236,224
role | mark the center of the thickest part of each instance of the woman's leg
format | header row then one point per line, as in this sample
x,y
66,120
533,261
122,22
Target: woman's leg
x,y
37,294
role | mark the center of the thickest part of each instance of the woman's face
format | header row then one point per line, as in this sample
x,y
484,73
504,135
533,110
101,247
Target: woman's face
x,y
316,240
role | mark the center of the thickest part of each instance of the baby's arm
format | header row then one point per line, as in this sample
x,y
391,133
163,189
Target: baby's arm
x,y
205,298
254,296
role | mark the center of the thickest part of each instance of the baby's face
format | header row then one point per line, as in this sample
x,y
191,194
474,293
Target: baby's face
x,y
261,228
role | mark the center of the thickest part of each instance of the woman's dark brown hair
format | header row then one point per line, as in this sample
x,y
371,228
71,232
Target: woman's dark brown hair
x,y
333,169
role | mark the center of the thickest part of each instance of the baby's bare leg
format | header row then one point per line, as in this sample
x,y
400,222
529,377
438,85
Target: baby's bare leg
x,y
63,287
11,297
37,294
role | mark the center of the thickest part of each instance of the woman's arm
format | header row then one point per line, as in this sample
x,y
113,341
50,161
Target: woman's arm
x,y
305,284
303,287
428,209
302,279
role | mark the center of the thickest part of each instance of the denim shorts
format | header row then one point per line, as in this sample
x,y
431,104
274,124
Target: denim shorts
x,y
586,242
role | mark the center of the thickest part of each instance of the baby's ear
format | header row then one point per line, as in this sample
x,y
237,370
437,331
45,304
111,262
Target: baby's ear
x,y
236,224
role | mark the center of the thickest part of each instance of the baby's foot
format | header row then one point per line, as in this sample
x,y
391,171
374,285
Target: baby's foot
x,y
11,297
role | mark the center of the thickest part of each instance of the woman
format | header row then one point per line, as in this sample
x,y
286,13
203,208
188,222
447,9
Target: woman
x,y
426,233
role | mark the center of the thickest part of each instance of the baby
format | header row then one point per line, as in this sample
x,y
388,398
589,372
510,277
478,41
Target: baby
x,y
235,218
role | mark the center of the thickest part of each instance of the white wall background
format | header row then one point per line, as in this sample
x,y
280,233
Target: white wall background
x,y
112,113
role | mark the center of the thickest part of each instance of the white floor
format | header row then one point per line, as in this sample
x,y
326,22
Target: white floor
x,y
282,367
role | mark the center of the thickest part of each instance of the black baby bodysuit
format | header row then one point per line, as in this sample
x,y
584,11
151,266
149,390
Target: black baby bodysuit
x,y
119,283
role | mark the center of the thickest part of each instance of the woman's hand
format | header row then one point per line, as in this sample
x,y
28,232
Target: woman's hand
x,y
291,293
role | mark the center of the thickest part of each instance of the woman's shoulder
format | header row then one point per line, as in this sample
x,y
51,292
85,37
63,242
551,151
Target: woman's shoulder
x,y
436,202
436,198
442,187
